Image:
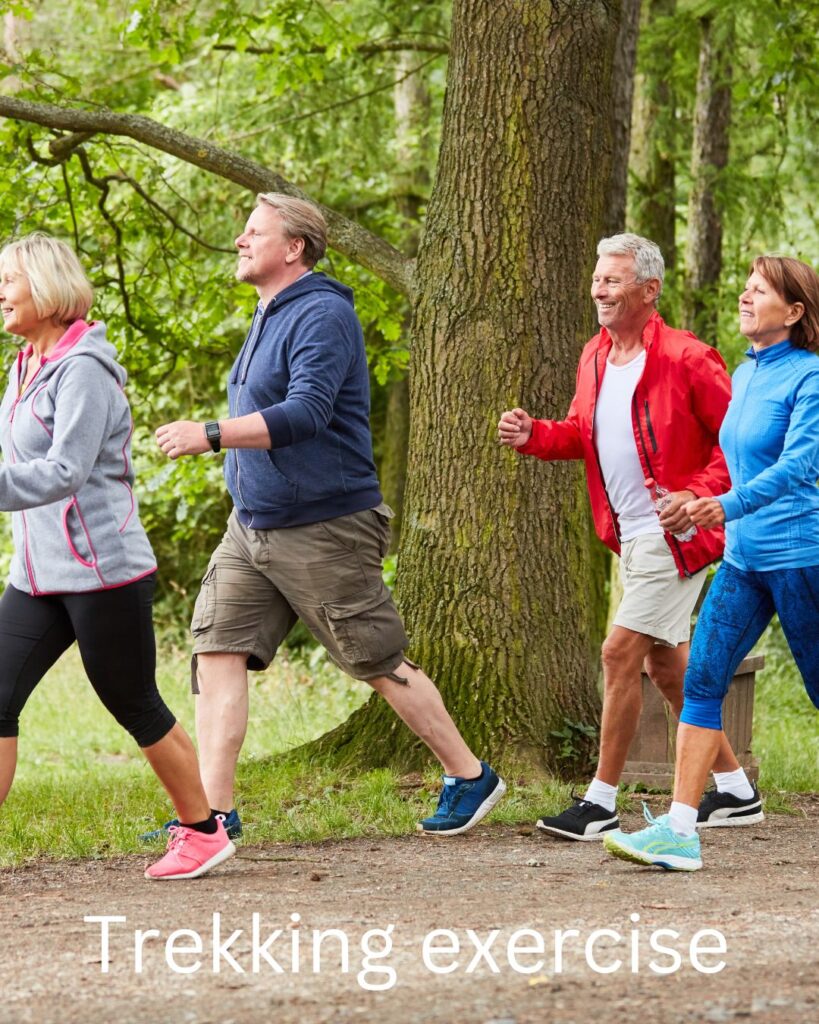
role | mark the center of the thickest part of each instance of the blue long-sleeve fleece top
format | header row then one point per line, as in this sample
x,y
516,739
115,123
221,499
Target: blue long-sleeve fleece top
x,y
303,366
770,437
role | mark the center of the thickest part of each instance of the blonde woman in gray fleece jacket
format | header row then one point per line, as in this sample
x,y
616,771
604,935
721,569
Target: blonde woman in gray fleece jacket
x,y
83,568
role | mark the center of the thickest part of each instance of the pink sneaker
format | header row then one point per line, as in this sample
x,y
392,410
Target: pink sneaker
x,y
191,853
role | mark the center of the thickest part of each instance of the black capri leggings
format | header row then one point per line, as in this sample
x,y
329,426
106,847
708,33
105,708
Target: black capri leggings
x,y
115,633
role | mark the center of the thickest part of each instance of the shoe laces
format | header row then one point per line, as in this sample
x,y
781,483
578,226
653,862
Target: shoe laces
x,y
649,816
446,798
178,836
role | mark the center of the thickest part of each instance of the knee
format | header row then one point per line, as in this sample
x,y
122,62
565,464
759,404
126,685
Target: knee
x,y
667,679
621,666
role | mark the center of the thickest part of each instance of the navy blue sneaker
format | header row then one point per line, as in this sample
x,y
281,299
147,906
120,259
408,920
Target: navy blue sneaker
x,y
231,821
463,802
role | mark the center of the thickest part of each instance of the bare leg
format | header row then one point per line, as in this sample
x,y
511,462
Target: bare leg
x,y
623,654
8,764
221,723
174,761
419,706
666,667
696,750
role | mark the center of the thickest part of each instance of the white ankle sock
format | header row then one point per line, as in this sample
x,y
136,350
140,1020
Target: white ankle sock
x,y
601,793
682,819
736,783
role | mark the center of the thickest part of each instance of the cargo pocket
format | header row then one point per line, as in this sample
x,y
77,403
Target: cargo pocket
x,y
204,611
366,627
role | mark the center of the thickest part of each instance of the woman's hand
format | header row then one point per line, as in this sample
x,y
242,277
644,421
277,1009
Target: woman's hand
x,y
705,512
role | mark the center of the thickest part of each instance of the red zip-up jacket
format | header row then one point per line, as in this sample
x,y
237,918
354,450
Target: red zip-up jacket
x,y
678,406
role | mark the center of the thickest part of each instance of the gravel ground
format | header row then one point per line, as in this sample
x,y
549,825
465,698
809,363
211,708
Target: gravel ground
x,y
758,889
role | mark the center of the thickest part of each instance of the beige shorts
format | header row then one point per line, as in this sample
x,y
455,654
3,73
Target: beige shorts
x,y
657,601
328,574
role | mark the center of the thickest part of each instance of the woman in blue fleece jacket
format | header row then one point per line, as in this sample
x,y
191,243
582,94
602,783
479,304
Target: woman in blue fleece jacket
x,y
770,437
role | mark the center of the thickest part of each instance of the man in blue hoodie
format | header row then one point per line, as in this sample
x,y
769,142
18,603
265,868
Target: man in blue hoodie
x,y
309,528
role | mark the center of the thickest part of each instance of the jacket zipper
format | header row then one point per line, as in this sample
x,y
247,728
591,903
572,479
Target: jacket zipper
x,y
614,522
674,540
648,425
244,366
32,581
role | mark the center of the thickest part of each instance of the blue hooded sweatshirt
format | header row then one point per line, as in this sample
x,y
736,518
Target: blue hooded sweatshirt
x,y
303,366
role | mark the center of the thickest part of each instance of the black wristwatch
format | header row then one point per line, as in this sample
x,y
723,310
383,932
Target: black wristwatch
x,y
214,435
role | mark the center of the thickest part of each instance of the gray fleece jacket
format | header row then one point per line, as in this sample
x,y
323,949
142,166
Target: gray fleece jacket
x,y
66,474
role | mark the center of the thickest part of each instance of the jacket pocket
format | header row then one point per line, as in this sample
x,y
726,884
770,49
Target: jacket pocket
x,y
77,536
366,626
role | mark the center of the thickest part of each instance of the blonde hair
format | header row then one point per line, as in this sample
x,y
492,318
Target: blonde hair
x,y
301,219
59,287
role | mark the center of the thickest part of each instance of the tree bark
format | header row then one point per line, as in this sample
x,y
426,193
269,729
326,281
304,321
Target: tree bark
x,y
494,562
622,96
347,237
412,109
651,209
709,156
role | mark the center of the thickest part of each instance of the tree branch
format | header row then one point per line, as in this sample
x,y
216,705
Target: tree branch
x,y
351,239
384,46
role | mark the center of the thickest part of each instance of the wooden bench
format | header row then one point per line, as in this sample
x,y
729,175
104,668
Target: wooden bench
x,y
651,756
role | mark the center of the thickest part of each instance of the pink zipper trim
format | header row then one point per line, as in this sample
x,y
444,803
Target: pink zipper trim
x,y
126,465
32,580
89,565
97,590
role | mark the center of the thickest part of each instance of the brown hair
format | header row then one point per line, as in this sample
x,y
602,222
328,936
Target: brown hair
x,y
794,281
301,219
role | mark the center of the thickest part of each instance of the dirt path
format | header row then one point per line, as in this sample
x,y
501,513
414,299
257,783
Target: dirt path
x,y
759,889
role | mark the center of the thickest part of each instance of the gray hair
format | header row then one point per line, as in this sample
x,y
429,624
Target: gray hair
x,y
301,219
648,260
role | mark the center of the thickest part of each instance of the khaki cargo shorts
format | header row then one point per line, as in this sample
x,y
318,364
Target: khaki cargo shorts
x,y
657,601
328,574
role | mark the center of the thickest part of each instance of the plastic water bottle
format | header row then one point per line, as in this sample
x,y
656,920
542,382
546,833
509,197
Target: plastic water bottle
x,y
662,499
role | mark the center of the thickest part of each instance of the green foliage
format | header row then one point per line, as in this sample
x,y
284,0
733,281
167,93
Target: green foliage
x,y
766,193
287,85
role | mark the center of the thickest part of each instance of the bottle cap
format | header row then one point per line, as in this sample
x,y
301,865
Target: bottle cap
x,y
650,481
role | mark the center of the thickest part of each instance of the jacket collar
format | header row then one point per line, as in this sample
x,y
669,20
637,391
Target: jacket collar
x,y
772,353
651,333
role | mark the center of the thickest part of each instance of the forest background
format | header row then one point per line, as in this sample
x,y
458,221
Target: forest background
x,y
493,140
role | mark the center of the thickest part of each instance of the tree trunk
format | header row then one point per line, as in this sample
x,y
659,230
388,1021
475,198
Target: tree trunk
x,y
412,106
622,95
709,156
494,563
651,208
604,565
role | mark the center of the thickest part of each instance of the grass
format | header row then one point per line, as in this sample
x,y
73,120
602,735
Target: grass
x,y
83,789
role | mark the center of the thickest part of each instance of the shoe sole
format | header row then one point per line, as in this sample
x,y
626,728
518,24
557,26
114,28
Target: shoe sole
x,y
669,863
732,821
480,813
218,858
574,835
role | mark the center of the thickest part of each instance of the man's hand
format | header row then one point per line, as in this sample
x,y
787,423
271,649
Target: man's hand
x,y
184,437
705,512
674,516
515,428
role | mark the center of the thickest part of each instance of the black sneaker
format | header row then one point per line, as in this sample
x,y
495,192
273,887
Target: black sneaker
x,y
719,809
584,821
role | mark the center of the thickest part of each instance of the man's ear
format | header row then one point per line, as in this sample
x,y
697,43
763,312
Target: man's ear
x,y
652,289
295,248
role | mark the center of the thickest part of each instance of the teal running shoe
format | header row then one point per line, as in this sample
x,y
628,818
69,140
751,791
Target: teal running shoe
x,y
658,844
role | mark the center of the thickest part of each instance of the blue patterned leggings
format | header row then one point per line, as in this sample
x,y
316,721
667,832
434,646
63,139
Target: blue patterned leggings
x,y
734,615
